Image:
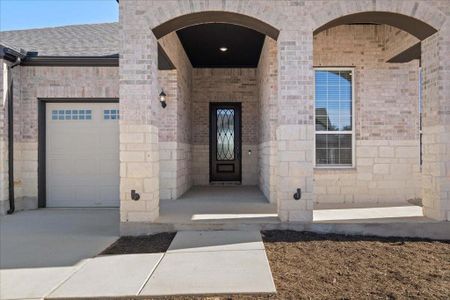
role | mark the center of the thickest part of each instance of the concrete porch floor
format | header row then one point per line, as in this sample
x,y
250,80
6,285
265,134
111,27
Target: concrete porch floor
x,y
246,208
369,213
224,204
247,204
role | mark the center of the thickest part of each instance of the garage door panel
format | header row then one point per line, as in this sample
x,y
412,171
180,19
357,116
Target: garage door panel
x,y
107,142
86,143
108,166
86,167
60,167
65,195
58,143
107,193
82,155
88,196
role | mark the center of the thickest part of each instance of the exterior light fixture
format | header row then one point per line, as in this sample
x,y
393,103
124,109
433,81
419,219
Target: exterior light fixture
x,y
223,49
162,99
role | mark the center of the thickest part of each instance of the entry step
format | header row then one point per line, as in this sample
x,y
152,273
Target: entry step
x,y
222,183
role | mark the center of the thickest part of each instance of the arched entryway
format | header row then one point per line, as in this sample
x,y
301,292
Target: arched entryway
x,y
192,85
216,132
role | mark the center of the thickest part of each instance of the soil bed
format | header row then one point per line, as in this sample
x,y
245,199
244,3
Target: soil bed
x,y
155,243
315,266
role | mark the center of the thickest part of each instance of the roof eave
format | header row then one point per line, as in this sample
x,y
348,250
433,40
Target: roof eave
x,y
10,54
72,61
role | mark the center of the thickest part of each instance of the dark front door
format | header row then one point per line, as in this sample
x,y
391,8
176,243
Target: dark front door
x,y
225,142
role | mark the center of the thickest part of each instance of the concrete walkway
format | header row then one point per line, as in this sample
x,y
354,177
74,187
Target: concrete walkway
x,y
212,262
224,262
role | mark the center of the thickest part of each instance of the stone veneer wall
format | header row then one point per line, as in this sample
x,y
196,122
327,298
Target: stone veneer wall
x,y
224,85
175,122
387,117
267,80
436,123
31,83
175,156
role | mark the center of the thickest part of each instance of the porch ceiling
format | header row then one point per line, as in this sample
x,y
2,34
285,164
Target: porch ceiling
x,y
202,44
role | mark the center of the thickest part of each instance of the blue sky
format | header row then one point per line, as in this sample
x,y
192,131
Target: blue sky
x,y
25,14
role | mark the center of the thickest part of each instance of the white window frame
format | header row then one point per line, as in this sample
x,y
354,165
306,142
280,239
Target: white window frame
x,y
352,132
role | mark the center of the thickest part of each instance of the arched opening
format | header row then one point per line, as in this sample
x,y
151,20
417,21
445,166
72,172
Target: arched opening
x,y
413,26
215,17
215,133
368,114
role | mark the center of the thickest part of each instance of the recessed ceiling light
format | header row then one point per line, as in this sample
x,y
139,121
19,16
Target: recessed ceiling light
x,y
223,49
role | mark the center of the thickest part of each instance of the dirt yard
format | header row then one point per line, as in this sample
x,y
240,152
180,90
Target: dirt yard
x,y
313,266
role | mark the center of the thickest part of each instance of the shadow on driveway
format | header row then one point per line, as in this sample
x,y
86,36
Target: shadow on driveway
x,y
55,237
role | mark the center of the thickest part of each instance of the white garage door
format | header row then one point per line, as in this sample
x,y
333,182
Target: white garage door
x,y
82,154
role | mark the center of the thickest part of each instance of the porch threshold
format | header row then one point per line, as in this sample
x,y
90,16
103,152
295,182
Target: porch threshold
x,y
212,208
219,205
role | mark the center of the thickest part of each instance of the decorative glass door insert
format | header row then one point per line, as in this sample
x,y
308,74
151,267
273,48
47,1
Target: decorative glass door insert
x,y
225,142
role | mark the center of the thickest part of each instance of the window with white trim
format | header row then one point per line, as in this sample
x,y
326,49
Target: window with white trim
x,y
334,117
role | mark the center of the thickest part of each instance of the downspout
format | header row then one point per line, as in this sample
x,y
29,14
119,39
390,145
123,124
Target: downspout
x,y
12,205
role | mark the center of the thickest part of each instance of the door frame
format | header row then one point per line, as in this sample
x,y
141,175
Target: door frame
x,y
211,136
42,164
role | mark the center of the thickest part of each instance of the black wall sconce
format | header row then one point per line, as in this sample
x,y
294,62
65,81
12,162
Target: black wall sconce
x,y
298,194
135,196
162,99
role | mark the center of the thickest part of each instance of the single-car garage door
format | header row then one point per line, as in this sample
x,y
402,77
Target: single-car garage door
x,y
82,155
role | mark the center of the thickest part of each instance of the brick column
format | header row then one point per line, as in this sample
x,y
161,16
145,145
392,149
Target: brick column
x,y
295,132
139,150
436,125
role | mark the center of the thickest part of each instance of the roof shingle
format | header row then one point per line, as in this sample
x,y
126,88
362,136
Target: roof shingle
x,y
74,40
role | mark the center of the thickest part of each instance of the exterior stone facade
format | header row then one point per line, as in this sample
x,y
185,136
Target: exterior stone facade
x,y
165,151
387,116
295,124
268,117
175,122
436,124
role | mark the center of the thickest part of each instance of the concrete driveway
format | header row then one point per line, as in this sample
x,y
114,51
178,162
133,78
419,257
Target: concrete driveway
x,y
55,237
40,249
